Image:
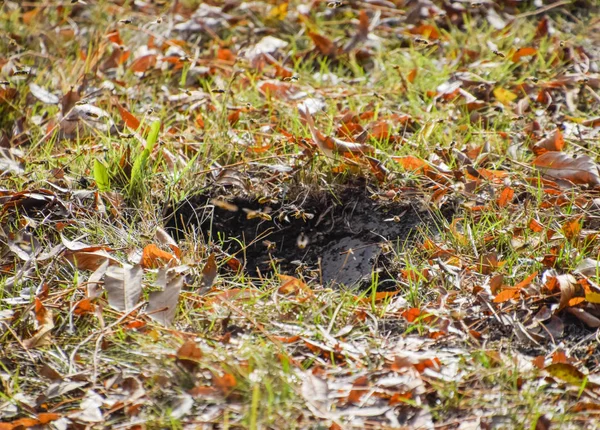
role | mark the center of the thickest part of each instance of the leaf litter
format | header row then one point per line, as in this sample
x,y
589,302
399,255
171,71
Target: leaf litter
x,y
339,125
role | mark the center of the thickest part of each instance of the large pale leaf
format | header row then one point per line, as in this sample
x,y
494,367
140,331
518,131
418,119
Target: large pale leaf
x,y
123,286
162,305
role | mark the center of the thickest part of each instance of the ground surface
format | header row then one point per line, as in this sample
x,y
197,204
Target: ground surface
x,y
356,214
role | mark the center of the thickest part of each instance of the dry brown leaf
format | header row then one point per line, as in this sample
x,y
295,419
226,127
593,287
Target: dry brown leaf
x,y
128,118
569,289
323,44
554,142
209,272
142,64
580,170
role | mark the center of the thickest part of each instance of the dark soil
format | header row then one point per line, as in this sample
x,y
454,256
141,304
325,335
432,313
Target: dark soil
x,y
334,237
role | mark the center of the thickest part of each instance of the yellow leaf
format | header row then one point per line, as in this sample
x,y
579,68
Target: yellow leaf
x,y
278,12
592,297
566,372
504,96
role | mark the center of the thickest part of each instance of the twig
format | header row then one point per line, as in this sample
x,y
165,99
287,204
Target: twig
x,y
544,9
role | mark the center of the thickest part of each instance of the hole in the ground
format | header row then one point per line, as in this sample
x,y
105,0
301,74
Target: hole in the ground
x,y
342,238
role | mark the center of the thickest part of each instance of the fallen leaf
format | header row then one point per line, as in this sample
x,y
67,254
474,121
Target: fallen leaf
x,y
142,64
154,257
225,383
523,52
506,196
554,142
209,272
189,354
572,228
567,373
323,44
504,96
123,286
162,305
130,120
580,170
331,145
45,324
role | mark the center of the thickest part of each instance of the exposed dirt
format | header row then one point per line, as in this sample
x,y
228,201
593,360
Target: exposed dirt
x,y
339,237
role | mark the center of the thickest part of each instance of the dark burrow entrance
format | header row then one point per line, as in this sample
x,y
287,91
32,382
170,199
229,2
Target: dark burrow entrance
x,y
342,237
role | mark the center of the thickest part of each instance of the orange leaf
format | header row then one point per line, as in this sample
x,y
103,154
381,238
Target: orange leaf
x,y
554,142
525,282
188,355
141,64
130,121
234,117
427,31
225,383
359,388
523,52
506,295
535,226
84,306
323,44
505,197
154,257
114,37
46,417
411,314
410,162
572,228
412,75
225,55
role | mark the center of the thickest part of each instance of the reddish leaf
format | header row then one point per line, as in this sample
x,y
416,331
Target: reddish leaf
x,y
411,314
154,257
209,272
427,31
83,307
580,170
130,121
505,197
143,63
323,44
359,388
225,383
542,28
572,228
554,142
523,52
